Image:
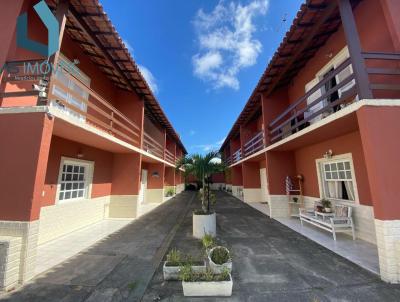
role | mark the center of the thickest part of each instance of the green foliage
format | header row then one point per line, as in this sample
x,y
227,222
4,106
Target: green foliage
x,y
188,275
208,241
326,203
220,255
174,257
170,192
202,167
132,285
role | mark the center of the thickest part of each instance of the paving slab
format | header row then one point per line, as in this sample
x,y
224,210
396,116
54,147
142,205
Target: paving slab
x,y
271,262
117,268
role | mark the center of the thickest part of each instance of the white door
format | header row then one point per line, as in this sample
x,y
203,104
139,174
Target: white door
x,y
264,185
143,186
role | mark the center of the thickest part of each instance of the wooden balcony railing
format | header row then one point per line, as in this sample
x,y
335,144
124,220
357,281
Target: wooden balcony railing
x,y
377,59
256,143
151,146
300,114
228,160
169,157
78,101
236,156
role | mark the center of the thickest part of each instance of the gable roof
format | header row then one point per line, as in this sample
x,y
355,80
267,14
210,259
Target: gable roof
x,y
314,24
88,25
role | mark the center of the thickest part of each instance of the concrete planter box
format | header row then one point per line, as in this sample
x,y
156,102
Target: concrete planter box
x,y
208,288
218,268
204,224
172,272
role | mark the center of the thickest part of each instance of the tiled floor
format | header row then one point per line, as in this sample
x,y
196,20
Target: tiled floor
x,y
358,251
56,251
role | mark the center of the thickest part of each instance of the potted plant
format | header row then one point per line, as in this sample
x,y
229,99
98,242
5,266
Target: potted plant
x,y
327,205
206,284
175,260
202,167
220,259
169,192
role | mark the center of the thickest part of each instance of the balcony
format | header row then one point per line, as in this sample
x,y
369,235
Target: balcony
x,y
320,101
236,156
169,157
80,103
324,99
150,145
256,143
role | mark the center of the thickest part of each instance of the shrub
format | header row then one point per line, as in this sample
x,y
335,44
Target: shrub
x,y
220,255
170,192
208,241
174,257
187,275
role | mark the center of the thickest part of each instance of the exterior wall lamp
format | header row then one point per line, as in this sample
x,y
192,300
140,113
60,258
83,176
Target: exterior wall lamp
x,y
328,154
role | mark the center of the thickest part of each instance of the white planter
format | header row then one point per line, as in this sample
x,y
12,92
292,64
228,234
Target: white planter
x,y
208,288
219,268
204,224
172,272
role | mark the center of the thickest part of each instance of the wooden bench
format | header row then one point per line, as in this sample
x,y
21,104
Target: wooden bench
x,y
340,222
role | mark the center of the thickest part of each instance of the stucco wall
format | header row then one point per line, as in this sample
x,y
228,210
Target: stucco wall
x,y
350,143
102,173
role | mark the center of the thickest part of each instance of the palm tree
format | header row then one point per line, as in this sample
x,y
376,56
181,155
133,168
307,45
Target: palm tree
x,y
202,167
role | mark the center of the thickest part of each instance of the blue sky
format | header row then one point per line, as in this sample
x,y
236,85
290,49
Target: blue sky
x,y
202,58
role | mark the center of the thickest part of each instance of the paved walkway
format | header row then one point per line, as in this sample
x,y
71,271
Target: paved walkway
x,y
271,262
59,250
360,252
117,268
274,263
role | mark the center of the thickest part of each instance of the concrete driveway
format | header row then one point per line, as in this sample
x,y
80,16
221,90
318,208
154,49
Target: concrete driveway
x,y
270,262
117,268
273,263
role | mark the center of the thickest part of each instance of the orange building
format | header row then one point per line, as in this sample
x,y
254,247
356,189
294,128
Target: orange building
x,y
80,142
327,108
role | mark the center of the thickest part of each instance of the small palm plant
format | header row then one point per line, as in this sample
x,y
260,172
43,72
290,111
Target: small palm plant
x,y
202,167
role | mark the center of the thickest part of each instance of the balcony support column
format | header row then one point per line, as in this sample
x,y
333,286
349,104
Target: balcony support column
x,y
251,182
354,45
379,128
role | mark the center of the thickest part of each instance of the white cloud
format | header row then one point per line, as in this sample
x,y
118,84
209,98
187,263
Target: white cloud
x,y
226,43
209,147
150,79
128,46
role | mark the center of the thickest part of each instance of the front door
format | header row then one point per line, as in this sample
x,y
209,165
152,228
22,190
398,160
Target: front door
x,y
143,186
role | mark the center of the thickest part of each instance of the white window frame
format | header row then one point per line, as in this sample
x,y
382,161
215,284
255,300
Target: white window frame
x,y
89,169
337,158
